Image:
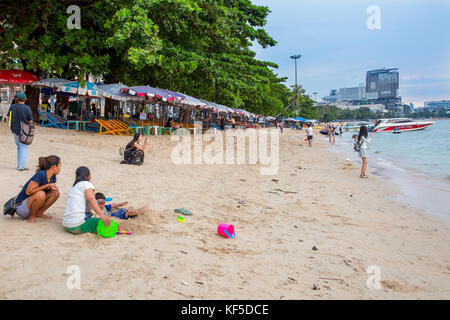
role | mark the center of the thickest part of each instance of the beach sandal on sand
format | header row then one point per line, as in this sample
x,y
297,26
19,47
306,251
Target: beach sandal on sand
x,y
183,211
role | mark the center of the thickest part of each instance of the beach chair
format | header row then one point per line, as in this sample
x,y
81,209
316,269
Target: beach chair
x,y
52,121
58,118
108,127
120,125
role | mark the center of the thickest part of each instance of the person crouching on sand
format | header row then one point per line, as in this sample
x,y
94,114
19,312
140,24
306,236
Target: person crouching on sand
x,y
121,213
40,192
77,217
134,152
363,142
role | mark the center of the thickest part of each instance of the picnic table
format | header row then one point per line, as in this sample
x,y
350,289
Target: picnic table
x,y
77,124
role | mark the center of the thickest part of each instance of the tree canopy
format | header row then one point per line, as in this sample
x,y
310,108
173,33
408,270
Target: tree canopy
x,y
199,47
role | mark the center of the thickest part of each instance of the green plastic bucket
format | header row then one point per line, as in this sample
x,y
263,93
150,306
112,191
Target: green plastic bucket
x,y
107,232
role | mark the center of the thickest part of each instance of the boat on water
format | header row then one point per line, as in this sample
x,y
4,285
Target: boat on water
x,y
355,126
398,125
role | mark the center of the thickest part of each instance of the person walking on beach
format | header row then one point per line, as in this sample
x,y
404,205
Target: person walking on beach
x,y
281,127
309,133
19,113
40,192
331,134
363,142
233,124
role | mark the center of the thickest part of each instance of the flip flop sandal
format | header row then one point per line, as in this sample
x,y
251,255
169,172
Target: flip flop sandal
x,y
183,211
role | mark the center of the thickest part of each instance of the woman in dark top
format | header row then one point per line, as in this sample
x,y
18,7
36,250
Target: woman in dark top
x,y
134,152
40,192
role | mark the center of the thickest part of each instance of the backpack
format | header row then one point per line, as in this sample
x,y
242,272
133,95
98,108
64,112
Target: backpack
x,y
10,207
26,133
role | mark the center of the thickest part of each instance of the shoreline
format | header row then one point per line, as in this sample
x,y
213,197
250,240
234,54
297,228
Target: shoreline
x,y
321,204
417,188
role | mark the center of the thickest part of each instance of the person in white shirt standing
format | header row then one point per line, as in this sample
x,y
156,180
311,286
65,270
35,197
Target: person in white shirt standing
x,y
77,217
142,115
310,133
363,142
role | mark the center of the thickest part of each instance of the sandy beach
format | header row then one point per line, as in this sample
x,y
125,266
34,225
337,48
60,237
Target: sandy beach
x,y
278,220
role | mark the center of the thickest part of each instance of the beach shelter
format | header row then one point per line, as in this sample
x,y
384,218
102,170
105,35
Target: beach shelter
x,y
301,119
175,96
50,82
142,91
194,102
115,92
17,77
89,88
12,81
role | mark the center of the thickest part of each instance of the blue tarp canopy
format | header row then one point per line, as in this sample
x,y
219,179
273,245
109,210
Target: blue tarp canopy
x,y
301,119
89,88
51,92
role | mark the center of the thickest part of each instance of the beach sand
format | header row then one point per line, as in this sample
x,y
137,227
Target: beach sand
x,y
348,220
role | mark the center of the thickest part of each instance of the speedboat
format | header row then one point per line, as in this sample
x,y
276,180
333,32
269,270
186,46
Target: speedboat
x,y
400,125
355,126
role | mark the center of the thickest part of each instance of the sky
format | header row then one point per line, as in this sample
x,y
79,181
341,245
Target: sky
x,y
338,48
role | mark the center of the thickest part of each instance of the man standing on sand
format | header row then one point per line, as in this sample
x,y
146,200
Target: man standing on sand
x,y
310,133
19,113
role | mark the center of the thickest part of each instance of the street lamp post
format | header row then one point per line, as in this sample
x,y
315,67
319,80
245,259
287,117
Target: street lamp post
x,y
296,57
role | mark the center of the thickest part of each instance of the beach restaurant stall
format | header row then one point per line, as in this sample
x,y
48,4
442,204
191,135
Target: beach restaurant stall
x,y
117,102
70,93
11,82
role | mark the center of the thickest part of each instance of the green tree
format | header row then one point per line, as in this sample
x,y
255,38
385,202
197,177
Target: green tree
x,y
199,47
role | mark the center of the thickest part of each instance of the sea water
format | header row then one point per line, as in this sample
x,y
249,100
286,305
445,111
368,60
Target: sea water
x,y
418,162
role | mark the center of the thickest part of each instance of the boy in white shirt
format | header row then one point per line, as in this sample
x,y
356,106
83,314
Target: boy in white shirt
x,y
310,133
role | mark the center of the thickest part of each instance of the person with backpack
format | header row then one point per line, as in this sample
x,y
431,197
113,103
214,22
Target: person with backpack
x,y
40,192
134,152
20,113
363,143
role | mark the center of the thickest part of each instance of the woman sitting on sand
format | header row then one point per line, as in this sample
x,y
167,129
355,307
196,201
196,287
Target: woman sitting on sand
x,y
134,152
77,217
363,142
40,192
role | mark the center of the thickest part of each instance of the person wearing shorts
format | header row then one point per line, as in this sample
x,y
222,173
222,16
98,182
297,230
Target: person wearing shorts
x,y
363,141
120,213
233,123
310,132
77,218
89,226
40,192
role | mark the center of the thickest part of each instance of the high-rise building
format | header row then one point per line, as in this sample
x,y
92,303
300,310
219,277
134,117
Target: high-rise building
x,y
382,84
333,97
353,94
432,105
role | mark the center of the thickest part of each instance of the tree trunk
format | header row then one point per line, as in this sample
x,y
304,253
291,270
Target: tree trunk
x,y
33,100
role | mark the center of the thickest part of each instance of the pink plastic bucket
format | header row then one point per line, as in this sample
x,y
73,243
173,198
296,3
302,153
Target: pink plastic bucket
x,y
226,230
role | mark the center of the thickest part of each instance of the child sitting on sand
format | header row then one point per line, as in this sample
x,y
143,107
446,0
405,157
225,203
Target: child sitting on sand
x,y
121,213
